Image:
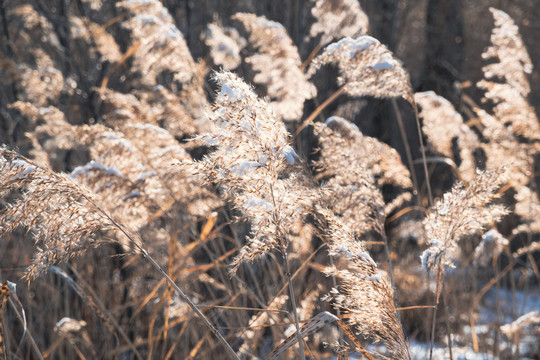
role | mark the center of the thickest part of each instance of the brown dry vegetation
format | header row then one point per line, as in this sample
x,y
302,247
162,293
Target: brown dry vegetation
x,y
181,180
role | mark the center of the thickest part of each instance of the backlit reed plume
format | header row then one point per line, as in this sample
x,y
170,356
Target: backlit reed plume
x,y
443,125
252,165
338,19
161,46
61,213
354,168
364,292
462,211
512,65
225,44
277,66
514,128
366,68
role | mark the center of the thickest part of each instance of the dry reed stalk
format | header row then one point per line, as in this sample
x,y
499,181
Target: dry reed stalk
x,y
462,211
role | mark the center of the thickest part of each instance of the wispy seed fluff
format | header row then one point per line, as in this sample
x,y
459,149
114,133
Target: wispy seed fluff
x,y
366,67
252,165
462,211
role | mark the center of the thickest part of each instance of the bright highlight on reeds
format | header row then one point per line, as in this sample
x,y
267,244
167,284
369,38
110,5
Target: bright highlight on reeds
x,y
462,211
61,213
366,67
253,164
277,66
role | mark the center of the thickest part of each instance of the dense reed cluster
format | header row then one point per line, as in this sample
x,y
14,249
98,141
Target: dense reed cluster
x,y
167,206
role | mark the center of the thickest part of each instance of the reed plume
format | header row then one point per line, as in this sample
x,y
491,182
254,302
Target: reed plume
x,y
253,164
462,211
366,68
364,292
277,66
61,213
338,19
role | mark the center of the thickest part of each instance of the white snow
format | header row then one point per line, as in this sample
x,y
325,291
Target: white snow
x,y
257,202
234,94
93,165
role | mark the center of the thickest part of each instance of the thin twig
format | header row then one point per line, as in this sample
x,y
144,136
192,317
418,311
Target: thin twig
x,y
138,245
320,108
408,153
293,301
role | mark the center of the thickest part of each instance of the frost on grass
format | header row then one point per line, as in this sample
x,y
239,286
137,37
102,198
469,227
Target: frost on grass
x,y
254,166
277,66
366,68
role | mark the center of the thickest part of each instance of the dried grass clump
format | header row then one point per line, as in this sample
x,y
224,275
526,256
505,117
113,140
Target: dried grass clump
x,y
159,107
463,211
160,45
33,38
338,19
62,214
443,125
225,45
366,68
252,165
506,81
364,293
354,168
492,245
277,66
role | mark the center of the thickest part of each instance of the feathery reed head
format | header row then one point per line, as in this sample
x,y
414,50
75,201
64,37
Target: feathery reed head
x,y
277,66
354,168
338,19
61,213
364,292
367,68
253,165
443,125
225,45
462,211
